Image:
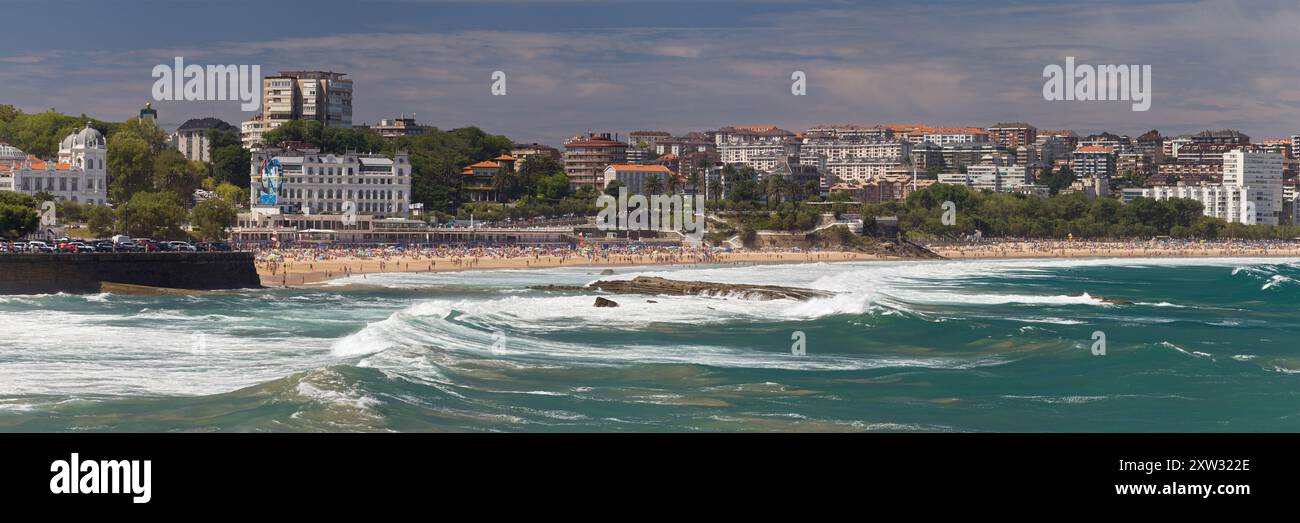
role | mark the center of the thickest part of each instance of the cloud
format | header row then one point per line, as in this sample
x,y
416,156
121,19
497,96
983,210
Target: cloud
x,y
1213,63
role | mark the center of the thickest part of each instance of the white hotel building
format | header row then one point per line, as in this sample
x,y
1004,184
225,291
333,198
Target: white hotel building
x,y
80,174
1225,202
315,183
1250,179
1260,172
996,178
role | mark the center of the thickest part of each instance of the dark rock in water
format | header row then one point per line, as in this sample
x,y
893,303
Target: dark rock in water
x,y
602,302
662,286
651,301
557,288
607,272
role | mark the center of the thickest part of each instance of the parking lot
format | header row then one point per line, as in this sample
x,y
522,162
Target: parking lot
x,y
71,246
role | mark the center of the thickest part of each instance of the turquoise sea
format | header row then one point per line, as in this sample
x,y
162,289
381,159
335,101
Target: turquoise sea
x,y
1202,345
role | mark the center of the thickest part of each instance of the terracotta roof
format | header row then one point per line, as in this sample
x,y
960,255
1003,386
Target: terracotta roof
x,y
484,165
505,157
1093,149
658,168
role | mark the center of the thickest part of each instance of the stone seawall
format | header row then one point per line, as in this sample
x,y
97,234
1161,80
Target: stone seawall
x,y
82,273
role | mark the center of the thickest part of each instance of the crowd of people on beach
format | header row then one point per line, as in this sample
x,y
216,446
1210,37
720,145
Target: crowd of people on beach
x,y
1152,247
405,258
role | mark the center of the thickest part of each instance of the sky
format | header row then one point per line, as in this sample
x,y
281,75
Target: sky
x,y
618,66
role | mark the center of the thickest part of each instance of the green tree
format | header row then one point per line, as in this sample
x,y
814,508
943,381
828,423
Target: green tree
x,y
100,220
212,217
694,181
553,186
156,215
535,168
230,161
613,187
505,183
233,195
173,173
653,185
131,162
18,215
70,212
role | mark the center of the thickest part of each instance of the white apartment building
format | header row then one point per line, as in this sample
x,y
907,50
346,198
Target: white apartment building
x,y
855,169
323,96
833,149
634,177
950,137
760,148
1261,173
996,178
858,132
293,181
1225,202
80,174
250,131
1172,145
1295,146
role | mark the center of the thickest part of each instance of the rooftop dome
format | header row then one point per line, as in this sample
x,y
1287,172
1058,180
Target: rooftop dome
x,y
9,152
87,137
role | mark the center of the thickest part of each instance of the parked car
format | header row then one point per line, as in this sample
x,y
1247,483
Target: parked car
x,y
219,246
181,247
104,246
39,246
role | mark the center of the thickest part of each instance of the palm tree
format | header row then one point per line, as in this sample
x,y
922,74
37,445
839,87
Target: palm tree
x,y
775,186
653,185
715,189
503,182
694,181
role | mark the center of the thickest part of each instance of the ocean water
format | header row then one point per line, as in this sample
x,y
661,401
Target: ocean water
x,y
945,346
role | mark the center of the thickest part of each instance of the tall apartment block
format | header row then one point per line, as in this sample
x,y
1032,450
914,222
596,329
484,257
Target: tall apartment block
x,y
586,157
1014,134
1261,174
324,96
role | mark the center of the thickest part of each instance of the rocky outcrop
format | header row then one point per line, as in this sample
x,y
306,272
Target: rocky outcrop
x,y
602,302
557,288
662,286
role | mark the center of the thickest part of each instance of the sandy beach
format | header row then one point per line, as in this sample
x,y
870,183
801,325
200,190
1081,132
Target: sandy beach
x,y
306,272
296,268
1080,249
